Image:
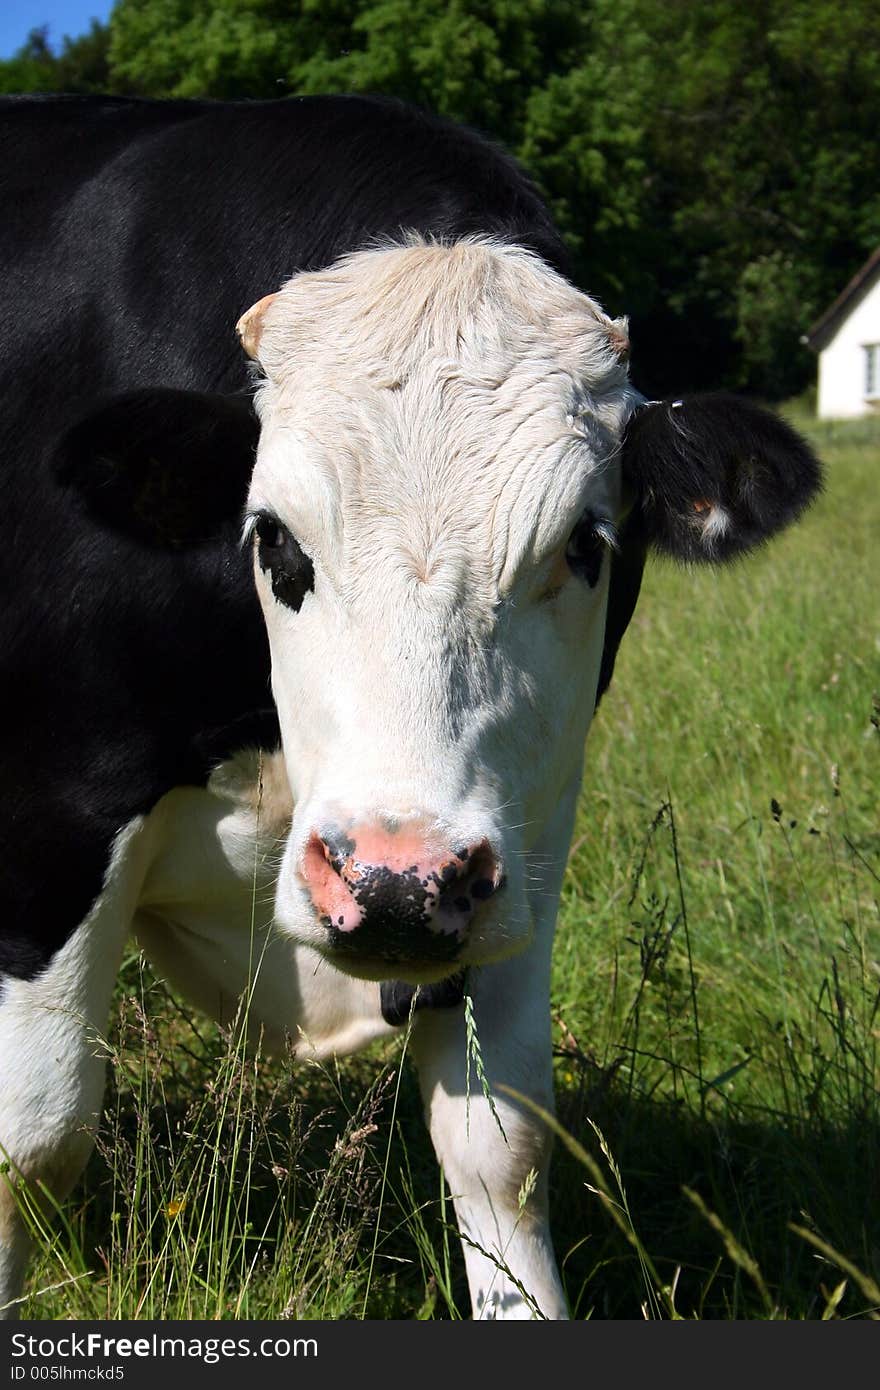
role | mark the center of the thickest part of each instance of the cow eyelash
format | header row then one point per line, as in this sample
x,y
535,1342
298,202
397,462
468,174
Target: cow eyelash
x,y
587,544
270,533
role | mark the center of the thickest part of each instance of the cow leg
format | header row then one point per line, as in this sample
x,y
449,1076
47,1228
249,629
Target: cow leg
x,y
52,1066
499,1181
508,1251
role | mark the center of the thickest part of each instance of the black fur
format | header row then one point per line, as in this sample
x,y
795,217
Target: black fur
x,y
683,458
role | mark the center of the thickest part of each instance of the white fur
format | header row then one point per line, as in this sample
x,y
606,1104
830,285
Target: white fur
x,y
52,1058
435,421
715,523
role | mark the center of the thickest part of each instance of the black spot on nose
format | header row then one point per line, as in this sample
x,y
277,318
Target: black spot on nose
x,y
398,919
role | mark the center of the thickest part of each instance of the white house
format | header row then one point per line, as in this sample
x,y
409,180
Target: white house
x,y
847,340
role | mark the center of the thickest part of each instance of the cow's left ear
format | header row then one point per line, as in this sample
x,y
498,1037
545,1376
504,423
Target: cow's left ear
x,y
715,475
170,468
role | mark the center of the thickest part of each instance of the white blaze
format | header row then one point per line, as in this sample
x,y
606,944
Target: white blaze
x,y
435,421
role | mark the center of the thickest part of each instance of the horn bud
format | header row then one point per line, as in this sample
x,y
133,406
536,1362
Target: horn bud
x,y
250,326
618,335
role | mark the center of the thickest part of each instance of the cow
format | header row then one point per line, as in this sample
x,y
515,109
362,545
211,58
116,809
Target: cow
x,y
326,499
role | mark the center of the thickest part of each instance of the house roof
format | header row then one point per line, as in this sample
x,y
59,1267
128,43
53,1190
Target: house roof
x,y
826,324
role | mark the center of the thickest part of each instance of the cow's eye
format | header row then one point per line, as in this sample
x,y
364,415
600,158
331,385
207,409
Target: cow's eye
x,y
270,535
291,572
586,546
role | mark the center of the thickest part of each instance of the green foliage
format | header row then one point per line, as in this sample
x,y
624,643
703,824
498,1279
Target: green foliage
x,y
81,66
714,167
716,976
226,49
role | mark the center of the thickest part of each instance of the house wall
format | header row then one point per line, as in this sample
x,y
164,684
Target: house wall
x,y
841,391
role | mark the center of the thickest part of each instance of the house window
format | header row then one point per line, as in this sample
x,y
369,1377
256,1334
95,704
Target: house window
x,y
872,371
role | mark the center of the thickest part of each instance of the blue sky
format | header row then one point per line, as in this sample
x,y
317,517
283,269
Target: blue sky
x,y
18,17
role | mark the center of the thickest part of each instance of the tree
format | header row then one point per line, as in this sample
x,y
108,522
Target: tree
x,y
81,66
226,49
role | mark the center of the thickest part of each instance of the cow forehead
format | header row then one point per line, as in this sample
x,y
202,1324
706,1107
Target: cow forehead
x,y
461,396
475,301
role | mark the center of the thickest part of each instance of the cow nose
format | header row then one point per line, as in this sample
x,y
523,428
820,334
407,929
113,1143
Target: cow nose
x,y
396,894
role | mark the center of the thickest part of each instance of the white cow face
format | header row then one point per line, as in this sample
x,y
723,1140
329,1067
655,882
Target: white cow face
x,y
436,489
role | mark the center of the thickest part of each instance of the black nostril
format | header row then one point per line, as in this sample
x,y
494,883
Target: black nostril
x,y
483,888
473,880
337,849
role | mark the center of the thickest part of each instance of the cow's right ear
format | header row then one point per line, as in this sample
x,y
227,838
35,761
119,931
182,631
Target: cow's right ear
x,y
169,468
714,476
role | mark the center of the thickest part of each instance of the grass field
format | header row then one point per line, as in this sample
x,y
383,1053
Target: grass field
x,y
715,1012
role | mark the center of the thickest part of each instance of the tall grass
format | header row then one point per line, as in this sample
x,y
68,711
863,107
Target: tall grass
x,y
715,997
717,958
